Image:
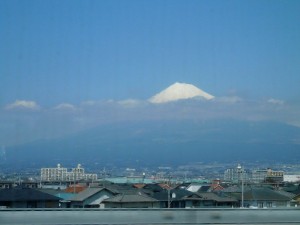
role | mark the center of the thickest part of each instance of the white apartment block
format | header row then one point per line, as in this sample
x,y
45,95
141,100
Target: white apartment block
x,y
259,175
236,174
61,174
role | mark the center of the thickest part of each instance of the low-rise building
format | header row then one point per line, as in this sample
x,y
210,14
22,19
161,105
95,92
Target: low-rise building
x,y
27,198
90,198
263,197
131,201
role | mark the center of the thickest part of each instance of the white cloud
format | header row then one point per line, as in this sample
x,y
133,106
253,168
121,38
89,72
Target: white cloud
x,y
275,101
65,106
97,102
228,99
23,104
129,102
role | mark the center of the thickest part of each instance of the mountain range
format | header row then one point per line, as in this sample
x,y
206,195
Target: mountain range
x,y
165,143
157,142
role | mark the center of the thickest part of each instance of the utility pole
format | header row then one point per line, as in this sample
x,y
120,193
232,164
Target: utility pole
x,y
169,200
241,172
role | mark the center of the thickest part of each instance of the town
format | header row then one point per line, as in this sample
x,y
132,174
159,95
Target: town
x,y
238,186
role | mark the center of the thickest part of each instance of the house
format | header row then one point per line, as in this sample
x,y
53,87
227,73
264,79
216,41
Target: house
x,y
296,200
210,199
122,188
64,196
27,198
172,198
90,198
75,188
131,201
196,187
292,188
215,186
263,197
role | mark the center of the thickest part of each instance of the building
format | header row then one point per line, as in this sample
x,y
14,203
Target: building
x,y
131,201
210,200
54,174
267,175
90,198
236,175
27,198
260,197
61,174
258,175
274,176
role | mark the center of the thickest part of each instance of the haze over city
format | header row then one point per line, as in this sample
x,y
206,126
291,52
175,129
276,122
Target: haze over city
x,y
76,69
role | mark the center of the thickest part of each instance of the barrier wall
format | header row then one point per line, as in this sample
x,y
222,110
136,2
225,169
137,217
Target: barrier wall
x,y
149,216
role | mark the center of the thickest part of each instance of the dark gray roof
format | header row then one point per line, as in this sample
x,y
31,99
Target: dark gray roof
x,y
153,187
121,188
25,194
179,194
212,196
88,192
50,191
265,194
122,198
292,188
204,188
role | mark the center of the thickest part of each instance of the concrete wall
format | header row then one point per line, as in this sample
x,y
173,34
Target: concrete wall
x,y
151,216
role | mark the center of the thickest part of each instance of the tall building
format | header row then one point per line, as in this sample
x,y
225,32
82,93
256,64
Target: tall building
x,y
61,174
259,175
236,174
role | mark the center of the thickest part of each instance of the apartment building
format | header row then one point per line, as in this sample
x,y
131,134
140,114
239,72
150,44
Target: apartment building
x,y
62,174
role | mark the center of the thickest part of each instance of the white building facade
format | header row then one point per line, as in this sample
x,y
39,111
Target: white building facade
x,y
61,174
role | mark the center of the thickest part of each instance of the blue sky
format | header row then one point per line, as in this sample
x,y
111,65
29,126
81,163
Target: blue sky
x,y
73,51
70,52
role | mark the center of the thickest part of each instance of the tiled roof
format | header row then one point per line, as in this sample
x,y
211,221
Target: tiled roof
x,y
288,194
138,185
153,187
25,194
206,196
75,189
164,186
204,188
130,198
65,196
292,188
175,194
216,197
81,196
123,189
261,194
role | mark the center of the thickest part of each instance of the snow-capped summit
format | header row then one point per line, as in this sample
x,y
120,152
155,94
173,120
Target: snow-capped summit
x,y
179,91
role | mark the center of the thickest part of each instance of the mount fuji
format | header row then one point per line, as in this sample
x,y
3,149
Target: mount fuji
x,y
180,91
167,137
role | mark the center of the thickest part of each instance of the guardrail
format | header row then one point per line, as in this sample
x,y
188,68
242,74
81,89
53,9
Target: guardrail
x,y
148,216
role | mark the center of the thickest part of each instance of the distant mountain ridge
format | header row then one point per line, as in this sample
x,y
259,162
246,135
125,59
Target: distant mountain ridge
x,y
165,143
